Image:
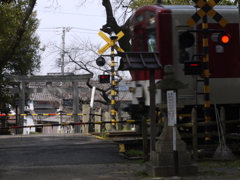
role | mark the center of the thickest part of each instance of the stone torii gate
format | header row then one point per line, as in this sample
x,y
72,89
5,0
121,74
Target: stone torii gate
x,y
22,79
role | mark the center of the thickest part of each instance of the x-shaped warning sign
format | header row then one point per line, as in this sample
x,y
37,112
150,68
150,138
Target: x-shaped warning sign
x,y
206,8
110,42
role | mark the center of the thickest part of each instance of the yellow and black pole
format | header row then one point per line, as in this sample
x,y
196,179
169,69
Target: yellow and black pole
x,y
206,8
206,78
111,43
113,85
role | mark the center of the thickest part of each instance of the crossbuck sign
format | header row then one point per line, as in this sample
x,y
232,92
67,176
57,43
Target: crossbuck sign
x,y
206,8
110,42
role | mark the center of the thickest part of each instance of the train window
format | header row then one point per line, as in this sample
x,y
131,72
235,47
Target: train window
x,y
151,31
150,17
139,18
183,51
151,40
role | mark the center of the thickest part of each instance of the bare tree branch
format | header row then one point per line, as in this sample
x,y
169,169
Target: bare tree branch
x,y
112,26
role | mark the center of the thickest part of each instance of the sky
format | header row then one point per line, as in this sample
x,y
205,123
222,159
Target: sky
x,y
84,22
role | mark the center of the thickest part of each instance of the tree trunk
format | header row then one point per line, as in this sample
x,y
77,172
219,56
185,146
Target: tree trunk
x,y
112,26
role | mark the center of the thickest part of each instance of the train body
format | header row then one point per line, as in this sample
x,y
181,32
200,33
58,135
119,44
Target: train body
x,y
158,28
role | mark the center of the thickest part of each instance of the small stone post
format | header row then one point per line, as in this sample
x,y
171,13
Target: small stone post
x,y
98,118
86,116
107,118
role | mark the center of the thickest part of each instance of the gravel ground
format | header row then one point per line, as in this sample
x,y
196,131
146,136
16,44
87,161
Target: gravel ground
x,y
86,158
208,170
133,170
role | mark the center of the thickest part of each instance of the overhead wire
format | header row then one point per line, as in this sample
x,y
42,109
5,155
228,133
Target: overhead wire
x,y
59,29
76,14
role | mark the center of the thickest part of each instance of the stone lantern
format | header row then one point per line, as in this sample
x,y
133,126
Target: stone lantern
x,y
161,160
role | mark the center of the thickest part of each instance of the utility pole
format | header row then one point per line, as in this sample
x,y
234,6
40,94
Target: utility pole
x,y
65,29
63,51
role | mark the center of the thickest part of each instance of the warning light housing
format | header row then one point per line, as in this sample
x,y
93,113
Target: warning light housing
x,y
187,39
100,61
193,67
224,39
104,78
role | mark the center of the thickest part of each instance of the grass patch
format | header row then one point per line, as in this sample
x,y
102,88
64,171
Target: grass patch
x,y
229,164
104,136
212,173
31,132
215,164
142,174
133,153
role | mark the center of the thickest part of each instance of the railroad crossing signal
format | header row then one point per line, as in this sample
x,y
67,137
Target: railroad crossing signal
x,y
206,8
224,39
104,78
110,42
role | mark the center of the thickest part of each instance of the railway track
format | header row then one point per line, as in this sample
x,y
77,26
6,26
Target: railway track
x,y
125,139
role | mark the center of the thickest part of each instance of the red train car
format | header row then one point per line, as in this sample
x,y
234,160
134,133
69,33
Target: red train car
x,y
159,27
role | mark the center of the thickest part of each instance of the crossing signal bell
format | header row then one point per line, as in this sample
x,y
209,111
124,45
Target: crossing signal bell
x,y
224,39
187,39
100,61
104,79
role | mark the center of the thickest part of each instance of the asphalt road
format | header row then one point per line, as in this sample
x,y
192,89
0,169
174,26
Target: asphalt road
x,y
84,157
58,156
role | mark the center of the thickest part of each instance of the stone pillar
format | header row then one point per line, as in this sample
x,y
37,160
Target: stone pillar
x,y
76,106
118,125
86,116
98,118
161,159
107,118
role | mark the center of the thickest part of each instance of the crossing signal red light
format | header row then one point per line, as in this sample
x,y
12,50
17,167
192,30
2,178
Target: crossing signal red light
x,y
224,39
104,78
193,67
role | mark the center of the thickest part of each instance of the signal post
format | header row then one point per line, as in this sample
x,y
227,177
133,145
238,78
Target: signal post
x,y
113,85
206,8
111,44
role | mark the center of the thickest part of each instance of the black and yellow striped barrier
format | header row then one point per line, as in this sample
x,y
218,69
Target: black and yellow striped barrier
x,y
72,124
41,114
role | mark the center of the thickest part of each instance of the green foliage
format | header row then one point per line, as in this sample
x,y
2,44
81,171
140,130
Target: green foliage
x,y
139,3
25,58
226,2
6,1
9,23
